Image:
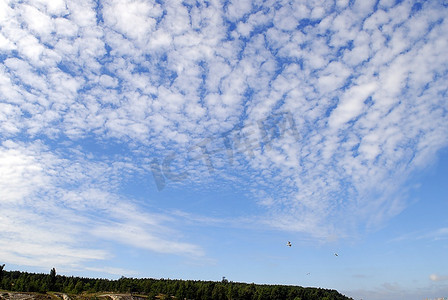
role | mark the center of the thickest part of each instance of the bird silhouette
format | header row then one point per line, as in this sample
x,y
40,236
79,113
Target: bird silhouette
x,y
288,244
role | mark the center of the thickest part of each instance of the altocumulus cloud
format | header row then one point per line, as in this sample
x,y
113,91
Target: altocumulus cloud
x,y
365,83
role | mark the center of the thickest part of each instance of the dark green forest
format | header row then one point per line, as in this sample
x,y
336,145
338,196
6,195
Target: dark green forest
x,y
160,288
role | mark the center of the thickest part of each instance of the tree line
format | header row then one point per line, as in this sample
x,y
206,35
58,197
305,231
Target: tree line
x,y
160,288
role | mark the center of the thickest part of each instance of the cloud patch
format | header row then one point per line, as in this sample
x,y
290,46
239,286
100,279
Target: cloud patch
x,y
436,277
53,210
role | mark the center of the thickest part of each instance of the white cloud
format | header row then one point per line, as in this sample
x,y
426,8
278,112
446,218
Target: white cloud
x,y
46,203
53,7
237,9
113,271
363,7
108,82
435,277
9,115
352,104
5,12
333,77
285,21
136,236
65,28
82,13
37,21
6,44
134,19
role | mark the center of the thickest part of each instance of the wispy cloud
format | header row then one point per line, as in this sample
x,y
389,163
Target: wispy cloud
x,y
393,290
435,277
53,208
113,271
433,235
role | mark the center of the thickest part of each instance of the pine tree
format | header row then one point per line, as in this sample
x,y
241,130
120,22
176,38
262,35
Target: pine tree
x,y
52,284
1,273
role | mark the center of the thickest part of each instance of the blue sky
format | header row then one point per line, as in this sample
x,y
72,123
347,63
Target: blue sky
x,y
194,139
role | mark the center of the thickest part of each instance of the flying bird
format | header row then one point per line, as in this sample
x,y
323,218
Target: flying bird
x,y
288,244
336,254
